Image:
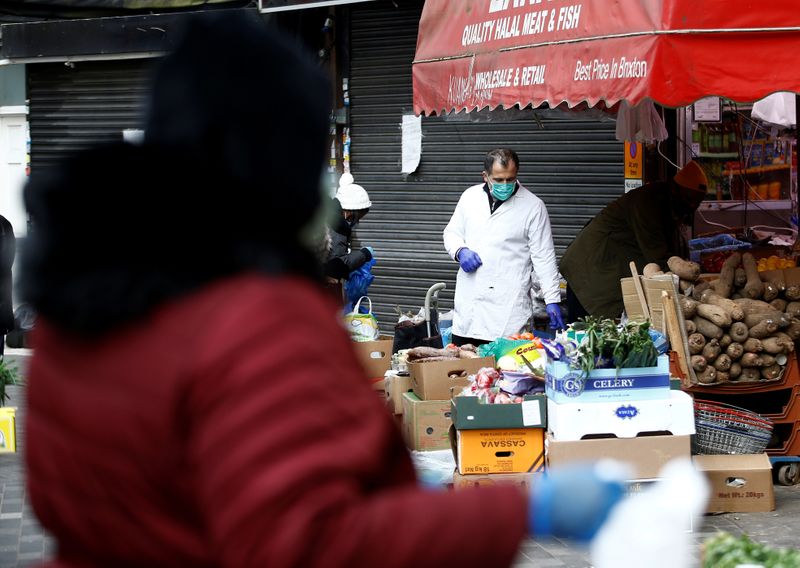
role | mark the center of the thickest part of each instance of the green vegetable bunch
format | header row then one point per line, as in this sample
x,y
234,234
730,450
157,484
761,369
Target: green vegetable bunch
x,y
609,345
726,551
9,375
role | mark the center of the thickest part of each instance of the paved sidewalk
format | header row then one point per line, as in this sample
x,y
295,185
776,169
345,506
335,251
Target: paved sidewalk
x,y
23,542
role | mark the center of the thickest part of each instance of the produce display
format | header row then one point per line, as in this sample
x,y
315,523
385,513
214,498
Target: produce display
x,y
739,327
449,353
493,386
607,345
727,551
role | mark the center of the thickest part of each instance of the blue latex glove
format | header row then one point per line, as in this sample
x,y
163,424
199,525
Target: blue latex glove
x,y
369,252
556,320
469,260
572,502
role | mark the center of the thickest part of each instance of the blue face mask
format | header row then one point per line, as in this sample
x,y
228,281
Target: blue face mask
x,y
502,191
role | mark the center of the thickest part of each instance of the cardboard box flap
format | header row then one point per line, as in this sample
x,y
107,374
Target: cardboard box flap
x,y
738,462
469,414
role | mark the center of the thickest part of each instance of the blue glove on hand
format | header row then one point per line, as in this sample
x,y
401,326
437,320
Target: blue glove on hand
x,y
369,252
554,311
572,502
469,260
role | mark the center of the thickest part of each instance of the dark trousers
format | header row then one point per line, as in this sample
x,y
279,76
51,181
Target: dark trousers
x,y
458,340
574,308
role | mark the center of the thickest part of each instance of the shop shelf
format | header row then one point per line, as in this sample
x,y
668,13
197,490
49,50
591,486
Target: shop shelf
x,y
785,440
779,404
757,170
789,378
720,155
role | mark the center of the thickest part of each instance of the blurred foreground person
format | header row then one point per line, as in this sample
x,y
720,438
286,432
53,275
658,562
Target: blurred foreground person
x,y
193,398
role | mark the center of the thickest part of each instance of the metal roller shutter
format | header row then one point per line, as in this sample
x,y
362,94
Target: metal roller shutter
x,y
574,163
74,107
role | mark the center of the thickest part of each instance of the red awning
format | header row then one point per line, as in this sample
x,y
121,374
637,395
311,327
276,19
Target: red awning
x,y
267,6
473,54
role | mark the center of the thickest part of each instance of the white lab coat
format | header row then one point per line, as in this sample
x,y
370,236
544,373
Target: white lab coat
x,y
514,243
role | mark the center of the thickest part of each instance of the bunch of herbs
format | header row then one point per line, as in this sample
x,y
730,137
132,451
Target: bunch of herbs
x,y
609,345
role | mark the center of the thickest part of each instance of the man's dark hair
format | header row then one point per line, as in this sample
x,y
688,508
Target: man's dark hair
x,y
502,155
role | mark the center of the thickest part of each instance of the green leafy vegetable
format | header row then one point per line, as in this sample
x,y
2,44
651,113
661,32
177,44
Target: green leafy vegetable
x,y
726,551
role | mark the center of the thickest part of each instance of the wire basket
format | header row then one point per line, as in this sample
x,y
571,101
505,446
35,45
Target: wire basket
x,y
727,429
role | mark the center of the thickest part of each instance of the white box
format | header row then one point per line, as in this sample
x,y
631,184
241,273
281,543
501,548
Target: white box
x,y
624,419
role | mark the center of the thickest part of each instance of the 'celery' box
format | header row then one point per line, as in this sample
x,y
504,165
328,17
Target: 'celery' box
x,y
565,384
8,429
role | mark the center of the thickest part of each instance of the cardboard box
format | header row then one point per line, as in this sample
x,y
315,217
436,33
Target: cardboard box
x,y
645,454
623,419
519,450
432,381
395,385
523,480
375,357
426,423
739,483
470,414
565,384
8,429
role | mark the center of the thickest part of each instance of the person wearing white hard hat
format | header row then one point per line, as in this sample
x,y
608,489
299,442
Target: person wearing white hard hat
x,y
351,204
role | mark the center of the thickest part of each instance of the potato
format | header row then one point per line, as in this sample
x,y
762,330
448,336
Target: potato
x,y
685,286
793,330
696,343
763,329
699,288
755,287
690,327
716,315
739,332
779,305
773,345
708,329
751,360
722,363
708,376
685,269
652,269
735,371
711,350
792,309
739,278
771,372
725,340
734,351
753,345
688,306
767,360
750,375
723,377
699,363
786,339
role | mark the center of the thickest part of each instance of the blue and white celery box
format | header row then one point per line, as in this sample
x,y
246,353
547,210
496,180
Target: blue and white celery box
x,y
565,384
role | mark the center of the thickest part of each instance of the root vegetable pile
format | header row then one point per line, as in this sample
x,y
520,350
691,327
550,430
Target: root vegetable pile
x,y
740,328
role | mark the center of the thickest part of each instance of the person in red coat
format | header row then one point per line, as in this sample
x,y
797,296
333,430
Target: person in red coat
x,y
193,398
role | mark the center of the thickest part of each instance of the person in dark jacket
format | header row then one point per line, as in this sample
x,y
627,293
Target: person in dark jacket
x,y
193,398
8,248
350,205
645,225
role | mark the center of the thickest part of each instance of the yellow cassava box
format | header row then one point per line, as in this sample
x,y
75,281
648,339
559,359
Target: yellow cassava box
x,y
517,450
8,429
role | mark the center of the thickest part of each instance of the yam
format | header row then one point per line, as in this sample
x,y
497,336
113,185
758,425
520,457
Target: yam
x,y
792,292
716,315
708,329
685,269
690,327
774,345
699,288
699,363
735,371
722,363
750,375
753,345
780,319
793,329
735,311
793,309
734,351
767,360
736,296
786,339
711,350
688,306
685,286
739,332
724,285
777,282
763,329
723,377
696,343
725,340
707,377
755,287
751,360
770,291
749,304
779,304
740,278
652,269
771,372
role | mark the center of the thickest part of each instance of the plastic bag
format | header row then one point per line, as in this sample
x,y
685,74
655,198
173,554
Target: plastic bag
x,y
362,327
358,283
434,469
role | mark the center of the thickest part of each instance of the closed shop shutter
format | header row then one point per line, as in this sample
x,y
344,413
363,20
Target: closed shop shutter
x,y
574,163
89,102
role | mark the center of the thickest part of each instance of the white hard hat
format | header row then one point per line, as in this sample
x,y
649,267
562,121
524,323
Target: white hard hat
x,y
352,196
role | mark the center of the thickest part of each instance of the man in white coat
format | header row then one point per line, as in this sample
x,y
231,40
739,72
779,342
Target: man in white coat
x,y
500,236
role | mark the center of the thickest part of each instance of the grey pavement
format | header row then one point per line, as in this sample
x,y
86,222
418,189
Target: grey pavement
x,y
23,543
